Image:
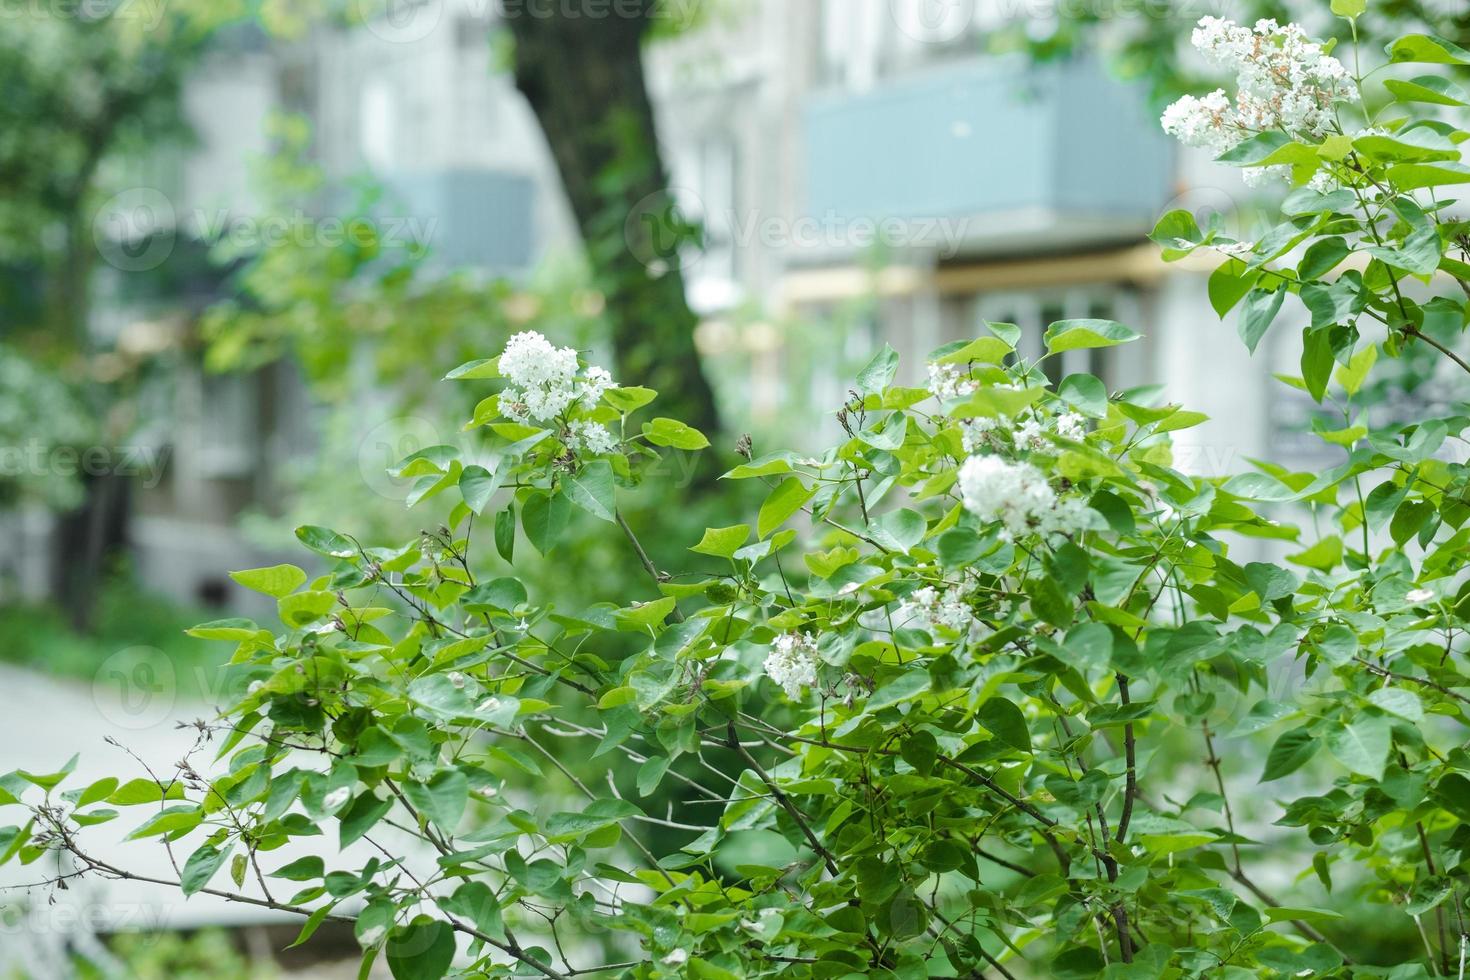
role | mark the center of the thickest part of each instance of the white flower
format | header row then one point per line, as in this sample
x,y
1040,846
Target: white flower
x,y
947,381
982,432
1284,81
678,957
591,438
1323,181
541,377
1419,595
336,798
1071,425
1202,122
1030,435
1236,250
529,360
792,663
543,382
927,608
995,489
597,381
1017,495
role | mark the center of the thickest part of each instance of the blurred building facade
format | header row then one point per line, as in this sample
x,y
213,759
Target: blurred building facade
x,y
863,170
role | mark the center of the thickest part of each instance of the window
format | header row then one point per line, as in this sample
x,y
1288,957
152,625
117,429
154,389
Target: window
x,y
1034,310
704,184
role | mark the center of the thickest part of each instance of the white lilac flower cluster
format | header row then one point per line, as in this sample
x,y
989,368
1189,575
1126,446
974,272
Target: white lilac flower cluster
x,y
792,663
544,381
1284,81
1018,495
948,381
1001,433
927,608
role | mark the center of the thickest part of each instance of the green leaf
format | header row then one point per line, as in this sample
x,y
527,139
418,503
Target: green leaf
x,y
234,630
477,485
645,615
1065,335
651,773
1271,148
1427,88
903,528
483,369
361,816
722,542
906,686
200,867
475,902
995,402
1427,49
1229,283
1261,307
1414,176
880,371
442,799
1006,722
1355,372
1362,745
629,400
325,541
421,950
544,517
1177,233
1317,362
169,820
505,533
981,350
1398,701
1085,393
135,792
591,489
1290,753
309,868
277,580
674,434
1349,8
789,497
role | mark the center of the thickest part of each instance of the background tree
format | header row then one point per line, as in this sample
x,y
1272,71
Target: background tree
x,y
583,77
83,92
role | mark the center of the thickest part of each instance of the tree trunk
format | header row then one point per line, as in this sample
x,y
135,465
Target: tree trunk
x,y
583,77
85,543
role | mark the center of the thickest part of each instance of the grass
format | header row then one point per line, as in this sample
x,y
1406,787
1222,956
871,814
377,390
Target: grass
x,y
131,626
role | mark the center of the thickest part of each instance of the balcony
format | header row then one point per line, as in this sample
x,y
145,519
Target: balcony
x,y
990,155
472,219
